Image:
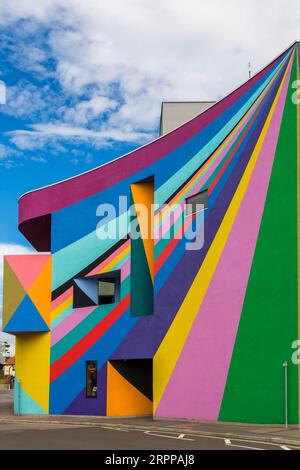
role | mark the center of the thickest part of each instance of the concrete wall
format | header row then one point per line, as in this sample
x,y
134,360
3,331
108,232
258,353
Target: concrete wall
x,y
174,114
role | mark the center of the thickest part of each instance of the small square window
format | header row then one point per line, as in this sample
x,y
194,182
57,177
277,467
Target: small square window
x,y
96,290
107,289
197,203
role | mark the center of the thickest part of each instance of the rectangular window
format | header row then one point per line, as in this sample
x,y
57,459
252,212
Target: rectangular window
x,y
91,379
107,288
197,203
97,290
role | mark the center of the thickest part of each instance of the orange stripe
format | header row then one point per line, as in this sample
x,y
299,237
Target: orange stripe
x,y
71,356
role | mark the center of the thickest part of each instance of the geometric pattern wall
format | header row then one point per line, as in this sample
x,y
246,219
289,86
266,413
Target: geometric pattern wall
x,y
27,293
129,388
223,318
142,250
27,314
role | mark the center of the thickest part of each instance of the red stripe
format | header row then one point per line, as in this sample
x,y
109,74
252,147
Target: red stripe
x,y
65,361
218,177
170,247
165,254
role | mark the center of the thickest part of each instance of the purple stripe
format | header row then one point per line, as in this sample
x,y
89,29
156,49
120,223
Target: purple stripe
x,y
221,308
91,406
69,323
168,300
53,198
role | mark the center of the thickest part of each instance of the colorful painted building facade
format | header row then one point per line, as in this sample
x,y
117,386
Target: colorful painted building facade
x,y
125,326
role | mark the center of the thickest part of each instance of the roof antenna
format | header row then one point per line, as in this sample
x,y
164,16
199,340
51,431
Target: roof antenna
x,y
249,69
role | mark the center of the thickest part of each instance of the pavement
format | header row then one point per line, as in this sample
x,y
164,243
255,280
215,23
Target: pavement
x,y
92,432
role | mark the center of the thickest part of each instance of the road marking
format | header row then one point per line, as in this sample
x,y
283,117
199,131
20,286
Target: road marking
x,y
114,429
189,432
207,436
149,433
137,428
229,444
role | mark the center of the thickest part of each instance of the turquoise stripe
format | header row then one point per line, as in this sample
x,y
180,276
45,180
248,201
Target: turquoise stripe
x,y
162,194
83,328
65,314
67,262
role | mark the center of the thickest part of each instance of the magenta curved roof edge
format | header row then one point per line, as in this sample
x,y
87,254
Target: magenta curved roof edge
x,y
36,207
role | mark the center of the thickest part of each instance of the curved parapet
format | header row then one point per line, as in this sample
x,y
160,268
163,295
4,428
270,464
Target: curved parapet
x,y
155,317
36,207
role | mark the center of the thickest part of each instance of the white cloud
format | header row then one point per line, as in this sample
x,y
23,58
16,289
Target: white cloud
x,y
4,152
31,139
38,159
124,58
23,100
31,102
87,110
8,157
2,92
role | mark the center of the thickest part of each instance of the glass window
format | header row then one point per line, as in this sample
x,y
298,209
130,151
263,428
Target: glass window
x,y
106,291
91,379
97,290
197,203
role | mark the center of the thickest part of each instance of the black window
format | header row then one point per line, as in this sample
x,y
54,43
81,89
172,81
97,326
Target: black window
x,y
97,290
197,203
107,291
91,379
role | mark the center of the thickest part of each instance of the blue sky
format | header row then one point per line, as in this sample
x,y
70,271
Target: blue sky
x,y
85,79
30,156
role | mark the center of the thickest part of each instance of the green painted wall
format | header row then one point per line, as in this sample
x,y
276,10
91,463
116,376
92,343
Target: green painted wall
x,y
269,323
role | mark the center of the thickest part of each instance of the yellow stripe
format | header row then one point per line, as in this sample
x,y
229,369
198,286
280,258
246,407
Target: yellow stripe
x,y
169,351
163,214
66,304
116,260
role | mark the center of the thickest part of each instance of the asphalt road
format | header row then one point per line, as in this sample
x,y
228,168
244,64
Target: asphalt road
x,y
135,435
27,436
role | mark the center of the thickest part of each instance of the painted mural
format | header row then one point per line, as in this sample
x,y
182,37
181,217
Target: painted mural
x,y
196,334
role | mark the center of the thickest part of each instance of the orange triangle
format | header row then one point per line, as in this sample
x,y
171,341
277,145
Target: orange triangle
x,y
27,267
40,292
123,399
13,293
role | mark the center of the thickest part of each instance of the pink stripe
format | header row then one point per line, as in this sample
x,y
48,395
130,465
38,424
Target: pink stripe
x,y
108,260
163,229
68,293
125,270
59,300
55,197
76,317
196,387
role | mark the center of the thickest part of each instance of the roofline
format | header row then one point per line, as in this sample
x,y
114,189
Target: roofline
x,y
188,102
35,213
162,136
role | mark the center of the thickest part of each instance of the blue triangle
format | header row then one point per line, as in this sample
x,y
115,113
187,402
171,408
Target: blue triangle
x,y
89,287
26,319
